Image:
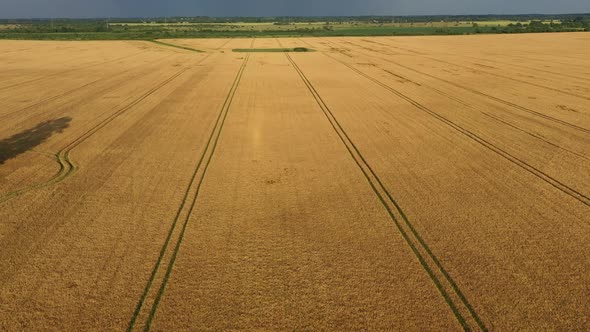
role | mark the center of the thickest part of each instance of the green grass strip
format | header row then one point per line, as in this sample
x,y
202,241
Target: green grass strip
x,y
177,46
272,50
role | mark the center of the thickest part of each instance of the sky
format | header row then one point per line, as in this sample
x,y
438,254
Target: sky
x,y
147,8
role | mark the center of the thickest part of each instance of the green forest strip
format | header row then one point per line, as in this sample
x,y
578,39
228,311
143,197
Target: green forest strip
x,y
74,32
258,27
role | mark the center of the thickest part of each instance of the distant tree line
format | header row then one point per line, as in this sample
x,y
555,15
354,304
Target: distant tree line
x,y
579,23
123,28
577,18
58,25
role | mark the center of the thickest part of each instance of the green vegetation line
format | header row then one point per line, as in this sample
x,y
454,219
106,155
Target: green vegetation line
x,y
177,46
272,50
248,27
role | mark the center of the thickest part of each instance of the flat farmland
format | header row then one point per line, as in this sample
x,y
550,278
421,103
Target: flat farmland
x,y
373,183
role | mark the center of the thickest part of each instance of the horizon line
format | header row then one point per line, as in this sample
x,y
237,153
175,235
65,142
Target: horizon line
x,y
287,16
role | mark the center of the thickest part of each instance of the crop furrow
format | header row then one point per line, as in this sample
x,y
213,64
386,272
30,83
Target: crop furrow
x,y
533,135
147,306
496,62
67,167
223,44
496,99
70,70
78,88
513,159
458,303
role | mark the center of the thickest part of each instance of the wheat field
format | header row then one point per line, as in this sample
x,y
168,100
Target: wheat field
x,y
374,183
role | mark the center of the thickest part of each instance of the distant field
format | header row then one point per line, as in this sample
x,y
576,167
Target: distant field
x,y
375,184
269,26
7,26
344,25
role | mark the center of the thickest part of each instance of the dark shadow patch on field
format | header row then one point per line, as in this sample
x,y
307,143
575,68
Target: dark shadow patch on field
x,y
26,140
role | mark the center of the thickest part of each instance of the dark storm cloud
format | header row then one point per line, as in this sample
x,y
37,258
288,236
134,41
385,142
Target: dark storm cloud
x,y
138,8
